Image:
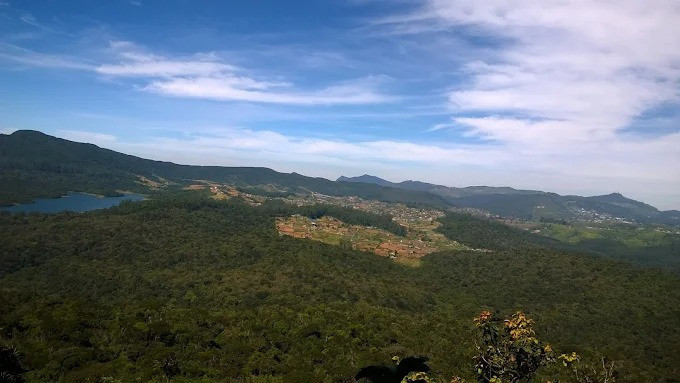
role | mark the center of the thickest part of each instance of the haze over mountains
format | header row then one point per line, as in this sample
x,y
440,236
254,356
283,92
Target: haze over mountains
x,y
34,164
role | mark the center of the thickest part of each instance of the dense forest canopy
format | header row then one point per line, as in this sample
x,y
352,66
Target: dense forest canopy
x,y
190,289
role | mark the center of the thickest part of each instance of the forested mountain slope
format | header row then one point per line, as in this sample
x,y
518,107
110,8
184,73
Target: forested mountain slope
x,y
191,289
33,164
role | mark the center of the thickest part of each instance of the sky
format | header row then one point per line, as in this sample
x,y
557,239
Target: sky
x,y
570,96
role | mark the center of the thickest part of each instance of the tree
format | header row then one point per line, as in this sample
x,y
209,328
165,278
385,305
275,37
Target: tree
x,y
509,352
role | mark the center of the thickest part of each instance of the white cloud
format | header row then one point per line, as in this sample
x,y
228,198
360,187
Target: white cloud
x,y
229,88
589,67
138,63
203,75
206,76
265,145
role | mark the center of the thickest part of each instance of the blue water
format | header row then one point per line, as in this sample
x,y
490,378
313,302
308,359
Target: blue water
x,y
76,202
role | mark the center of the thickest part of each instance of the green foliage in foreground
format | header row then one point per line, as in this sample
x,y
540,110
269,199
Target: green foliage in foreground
x,y
508,351
192,290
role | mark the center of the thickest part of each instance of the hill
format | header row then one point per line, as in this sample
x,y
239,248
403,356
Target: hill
x,y
446,191
33,164
533,204
189,289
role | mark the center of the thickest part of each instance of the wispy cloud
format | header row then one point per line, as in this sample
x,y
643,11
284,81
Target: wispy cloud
x,y
230,88
206,76
136,62
266,145
202,75
31,20
28,57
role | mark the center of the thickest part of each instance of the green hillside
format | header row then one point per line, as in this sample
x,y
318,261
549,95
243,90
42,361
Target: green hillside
x,y
189,289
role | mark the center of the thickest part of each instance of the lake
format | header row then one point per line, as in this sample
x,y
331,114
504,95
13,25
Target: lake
x,y
76,202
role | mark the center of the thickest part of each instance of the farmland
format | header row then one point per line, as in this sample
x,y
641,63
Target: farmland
x,y
420,240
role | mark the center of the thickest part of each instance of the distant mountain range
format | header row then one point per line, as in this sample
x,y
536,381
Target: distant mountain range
x,y
34,165
534,204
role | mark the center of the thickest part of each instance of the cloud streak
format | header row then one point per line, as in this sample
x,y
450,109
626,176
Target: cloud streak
x,y
206,76
203,75
31,20
28,57
231,88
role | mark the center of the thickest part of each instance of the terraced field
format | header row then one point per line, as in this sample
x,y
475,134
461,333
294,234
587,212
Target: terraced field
x,y
420,240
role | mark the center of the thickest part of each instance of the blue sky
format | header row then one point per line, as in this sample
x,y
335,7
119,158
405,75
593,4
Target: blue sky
x,y
567,96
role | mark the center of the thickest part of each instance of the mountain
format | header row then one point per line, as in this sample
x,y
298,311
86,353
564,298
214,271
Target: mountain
x,y
446,191
533,204
34,164
367,180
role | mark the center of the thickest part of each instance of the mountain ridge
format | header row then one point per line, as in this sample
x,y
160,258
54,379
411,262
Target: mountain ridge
x,y
535,204
36,165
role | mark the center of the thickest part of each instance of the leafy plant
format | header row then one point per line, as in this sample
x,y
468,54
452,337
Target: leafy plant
x,y
509,350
